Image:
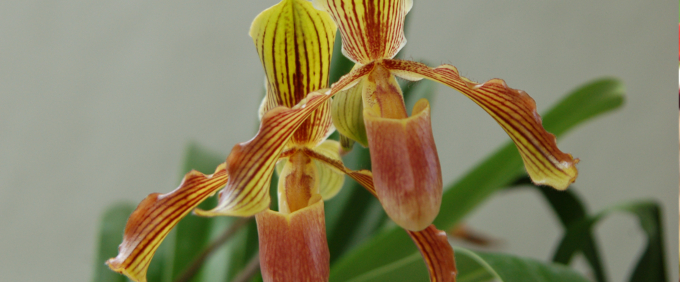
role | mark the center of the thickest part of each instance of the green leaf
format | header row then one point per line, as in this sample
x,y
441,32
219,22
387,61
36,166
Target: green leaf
x,y
475,267
111,229
651,266
496,172
509,268
352,206
570,209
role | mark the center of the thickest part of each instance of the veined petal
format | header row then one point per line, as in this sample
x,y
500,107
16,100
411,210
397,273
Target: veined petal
x,y
516,113
251,164
348,115
295,44
156,216
293,246
437,253
330,179
370,30
406,168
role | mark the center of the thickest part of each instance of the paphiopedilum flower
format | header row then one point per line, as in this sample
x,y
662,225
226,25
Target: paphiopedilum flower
x,y
404,157
294,42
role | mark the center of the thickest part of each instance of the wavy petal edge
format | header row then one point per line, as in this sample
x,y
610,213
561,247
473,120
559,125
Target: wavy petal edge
x,y
156,215
514,110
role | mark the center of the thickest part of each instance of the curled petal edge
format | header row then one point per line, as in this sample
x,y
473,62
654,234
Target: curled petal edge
x,y
515,112
156,215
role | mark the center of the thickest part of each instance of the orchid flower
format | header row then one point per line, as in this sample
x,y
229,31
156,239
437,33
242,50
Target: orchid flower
x,y
404,158
294,42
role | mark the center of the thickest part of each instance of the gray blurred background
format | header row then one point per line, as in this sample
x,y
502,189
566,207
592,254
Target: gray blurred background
x,y
99,99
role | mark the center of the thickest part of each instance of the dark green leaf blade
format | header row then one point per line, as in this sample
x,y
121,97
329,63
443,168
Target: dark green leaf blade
x,y
651,266
111,229
475,267
509,268
496,172
570,209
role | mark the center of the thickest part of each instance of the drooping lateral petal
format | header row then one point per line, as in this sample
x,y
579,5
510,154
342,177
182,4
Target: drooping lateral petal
x,y
370,30
437,253
156,216
293,247
330,179
514,111
251,164
406,169
295,44
348,115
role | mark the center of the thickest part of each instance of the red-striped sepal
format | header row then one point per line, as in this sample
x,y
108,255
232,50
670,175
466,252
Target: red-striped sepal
x,y
251,164
295,44
293,246
437,253
514,111
370,30
156,216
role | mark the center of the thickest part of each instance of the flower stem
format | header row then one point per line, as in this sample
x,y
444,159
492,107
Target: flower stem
x,y
250,269
193,268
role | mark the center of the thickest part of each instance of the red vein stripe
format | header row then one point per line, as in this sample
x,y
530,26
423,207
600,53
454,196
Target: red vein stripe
x,y
370,29
515,111
437,253
156,215
295,43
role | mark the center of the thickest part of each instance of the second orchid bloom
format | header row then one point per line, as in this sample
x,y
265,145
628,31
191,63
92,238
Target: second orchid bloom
x,y
294,41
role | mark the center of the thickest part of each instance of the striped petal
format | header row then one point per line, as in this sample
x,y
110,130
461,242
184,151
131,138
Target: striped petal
x,y
293,246
516,113
295,44
330,178
251,164
370,30
348,116
156,216
437,253
406,167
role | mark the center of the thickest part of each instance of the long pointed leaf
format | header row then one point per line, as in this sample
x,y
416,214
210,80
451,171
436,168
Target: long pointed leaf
x,y
570,209
509,268
651,266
